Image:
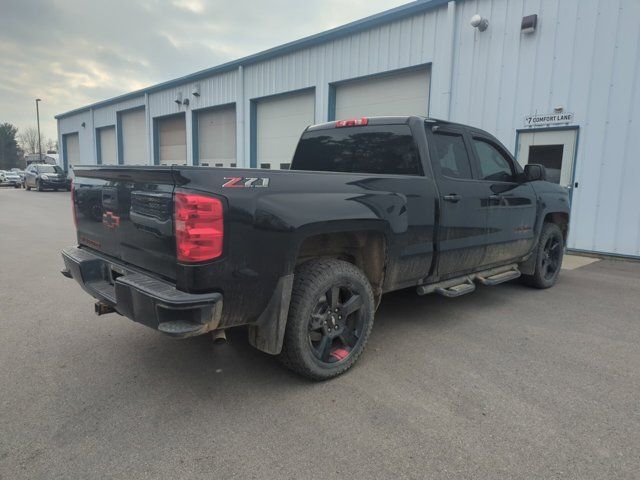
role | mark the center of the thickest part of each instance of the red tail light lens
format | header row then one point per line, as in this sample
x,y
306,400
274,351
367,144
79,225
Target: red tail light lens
x,y
73,204
198,226
352,122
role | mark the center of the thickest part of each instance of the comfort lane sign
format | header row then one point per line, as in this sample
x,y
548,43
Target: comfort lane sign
x,y
548,119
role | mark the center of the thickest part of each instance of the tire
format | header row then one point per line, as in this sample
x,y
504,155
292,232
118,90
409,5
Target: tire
x,y
27,187
38,188
311,346
549,254
16,186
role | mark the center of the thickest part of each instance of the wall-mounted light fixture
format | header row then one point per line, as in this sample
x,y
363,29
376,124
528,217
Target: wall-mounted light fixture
x,y
185,102
178,99
83,124
478,22
196,90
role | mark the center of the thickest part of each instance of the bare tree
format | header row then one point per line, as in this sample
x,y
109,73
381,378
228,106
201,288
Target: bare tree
x,y
28,140
50,144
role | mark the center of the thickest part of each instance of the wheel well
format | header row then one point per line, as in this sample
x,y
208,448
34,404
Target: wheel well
x,y
560,219
367,250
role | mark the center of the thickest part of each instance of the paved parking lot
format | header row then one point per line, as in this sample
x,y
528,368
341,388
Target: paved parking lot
x,y
507,382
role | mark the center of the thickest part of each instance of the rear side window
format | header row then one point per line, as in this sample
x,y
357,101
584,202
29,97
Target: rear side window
x,y
493,164
451,155
386,149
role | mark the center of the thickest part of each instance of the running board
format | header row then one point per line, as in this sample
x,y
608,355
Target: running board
x,y
456,287
456,290
499,278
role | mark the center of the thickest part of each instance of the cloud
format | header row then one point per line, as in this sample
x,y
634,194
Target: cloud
x,y
71,53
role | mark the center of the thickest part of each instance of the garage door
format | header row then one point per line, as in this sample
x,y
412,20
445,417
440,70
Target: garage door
x,y
217,137
107,146
404,93
172,140
134,138
280,122
72,149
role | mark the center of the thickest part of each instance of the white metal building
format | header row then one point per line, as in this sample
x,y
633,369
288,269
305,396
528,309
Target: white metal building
x,y
561,88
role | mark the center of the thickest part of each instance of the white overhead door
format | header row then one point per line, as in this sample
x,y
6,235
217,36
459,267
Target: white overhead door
x,y
134,138
405,93
217,137
72,149
107,139
280,122
172,140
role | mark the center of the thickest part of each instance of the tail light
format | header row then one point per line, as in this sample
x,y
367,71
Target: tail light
x,y
352,122
73,204
198,227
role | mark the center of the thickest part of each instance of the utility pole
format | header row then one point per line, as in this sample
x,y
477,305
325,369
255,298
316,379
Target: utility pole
x,y
38,118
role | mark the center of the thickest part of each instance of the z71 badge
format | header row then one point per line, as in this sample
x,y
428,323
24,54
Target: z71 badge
x,y
245,182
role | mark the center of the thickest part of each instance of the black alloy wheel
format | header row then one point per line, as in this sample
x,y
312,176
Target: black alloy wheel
x,y
330,318
336,324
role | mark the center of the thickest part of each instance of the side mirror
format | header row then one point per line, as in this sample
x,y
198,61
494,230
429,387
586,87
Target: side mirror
x,y
534,172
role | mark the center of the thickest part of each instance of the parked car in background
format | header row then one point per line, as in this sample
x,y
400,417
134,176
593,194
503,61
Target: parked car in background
x,y
11,179
43,176
19,172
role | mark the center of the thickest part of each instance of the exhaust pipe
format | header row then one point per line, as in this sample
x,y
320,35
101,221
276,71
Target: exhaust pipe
x,y
219,337
103,308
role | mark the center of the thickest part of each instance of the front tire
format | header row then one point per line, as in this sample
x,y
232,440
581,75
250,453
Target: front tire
x,y
38,187
549,254
330,318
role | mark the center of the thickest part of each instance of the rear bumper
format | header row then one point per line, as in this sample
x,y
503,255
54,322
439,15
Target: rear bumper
x,y
142,298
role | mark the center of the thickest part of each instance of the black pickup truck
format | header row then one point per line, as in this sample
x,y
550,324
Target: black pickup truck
x,y
302,257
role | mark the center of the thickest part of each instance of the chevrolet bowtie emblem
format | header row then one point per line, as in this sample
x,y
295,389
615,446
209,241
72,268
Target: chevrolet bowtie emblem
x,y
110,220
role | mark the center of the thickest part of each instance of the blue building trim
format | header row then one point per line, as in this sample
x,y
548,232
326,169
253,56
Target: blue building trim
x,y
372,21
331,103
253,134
195,147
98,146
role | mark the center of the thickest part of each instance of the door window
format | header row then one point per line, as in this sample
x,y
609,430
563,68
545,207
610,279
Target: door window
x,y
451,155
493,164
551,157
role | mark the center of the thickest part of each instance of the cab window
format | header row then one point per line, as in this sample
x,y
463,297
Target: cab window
x,y
492,163
451,155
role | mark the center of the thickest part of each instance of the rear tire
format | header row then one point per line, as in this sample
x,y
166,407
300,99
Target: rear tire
x,y
549,254
330,318
27,187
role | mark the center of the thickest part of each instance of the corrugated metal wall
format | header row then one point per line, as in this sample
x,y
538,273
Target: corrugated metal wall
x,y
583,56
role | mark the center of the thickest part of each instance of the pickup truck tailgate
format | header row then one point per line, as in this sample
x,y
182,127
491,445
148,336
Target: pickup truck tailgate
x,y
127,213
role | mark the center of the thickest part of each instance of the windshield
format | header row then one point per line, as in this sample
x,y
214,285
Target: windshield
x,y
49,169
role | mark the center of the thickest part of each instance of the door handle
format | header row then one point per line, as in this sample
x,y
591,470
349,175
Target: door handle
x,y
452,197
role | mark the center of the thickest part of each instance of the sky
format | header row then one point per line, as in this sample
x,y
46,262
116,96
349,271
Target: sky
x,y
72,53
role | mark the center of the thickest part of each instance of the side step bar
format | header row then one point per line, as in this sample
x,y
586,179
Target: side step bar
x,y
459,286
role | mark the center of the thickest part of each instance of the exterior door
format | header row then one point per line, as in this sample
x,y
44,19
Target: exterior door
x,y
172,140
217,137
133,137
401,93
461,236
280,121
510,205
555,149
